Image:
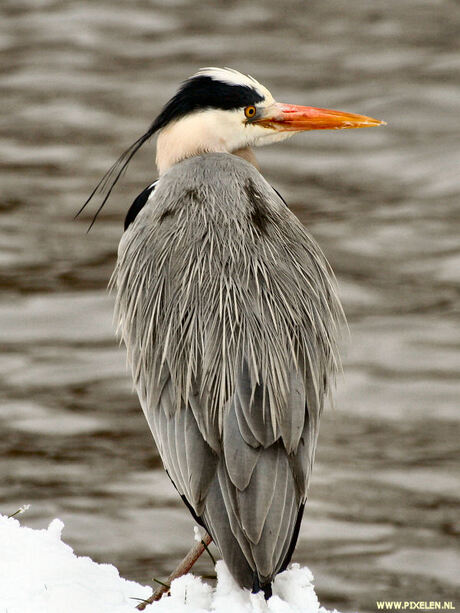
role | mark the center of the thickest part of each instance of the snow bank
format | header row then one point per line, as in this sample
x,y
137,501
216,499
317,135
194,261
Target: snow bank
x,y
41,574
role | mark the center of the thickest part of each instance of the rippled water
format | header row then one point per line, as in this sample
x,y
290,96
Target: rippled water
x,y
79,82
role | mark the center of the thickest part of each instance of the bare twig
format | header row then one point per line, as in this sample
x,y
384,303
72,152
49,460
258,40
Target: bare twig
x,y
23,509
183,568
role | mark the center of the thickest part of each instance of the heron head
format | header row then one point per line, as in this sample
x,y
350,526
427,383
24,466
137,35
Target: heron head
x,y
222,110
219,109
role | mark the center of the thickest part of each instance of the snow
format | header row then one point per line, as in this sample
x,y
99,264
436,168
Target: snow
x,y
39,573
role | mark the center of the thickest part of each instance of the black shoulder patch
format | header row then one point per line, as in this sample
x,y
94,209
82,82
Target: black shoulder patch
x,y
138,205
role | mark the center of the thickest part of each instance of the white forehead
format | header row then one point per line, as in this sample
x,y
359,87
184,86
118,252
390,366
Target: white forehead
x,y
233,77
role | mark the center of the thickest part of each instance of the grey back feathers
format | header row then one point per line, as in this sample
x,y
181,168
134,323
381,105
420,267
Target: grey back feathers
x,y
229,313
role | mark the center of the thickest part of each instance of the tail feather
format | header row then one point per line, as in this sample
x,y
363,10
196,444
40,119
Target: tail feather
x,y
253,564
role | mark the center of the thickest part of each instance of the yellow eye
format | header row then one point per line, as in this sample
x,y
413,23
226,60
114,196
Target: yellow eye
x,y
250,111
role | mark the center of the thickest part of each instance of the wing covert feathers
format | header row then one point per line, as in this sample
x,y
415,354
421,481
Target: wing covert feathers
x,y
230,317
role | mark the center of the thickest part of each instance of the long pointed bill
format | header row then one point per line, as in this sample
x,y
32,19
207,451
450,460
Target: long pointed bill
x,y
293,118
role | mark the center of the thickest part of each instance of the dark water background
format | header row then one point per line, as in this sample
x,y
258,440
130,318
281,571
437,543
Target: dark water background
x,y
79,82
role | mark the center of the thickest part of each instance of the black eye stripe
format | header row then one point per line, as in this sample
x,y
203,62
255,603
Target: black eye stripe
x,y
203,92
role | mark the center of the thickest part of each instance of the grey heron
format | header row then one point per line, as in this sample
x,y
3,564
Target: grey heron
x,y
230,316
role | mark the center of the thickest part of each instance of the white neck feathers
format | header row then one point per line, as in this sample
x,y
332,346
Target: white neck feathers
x,y
207,131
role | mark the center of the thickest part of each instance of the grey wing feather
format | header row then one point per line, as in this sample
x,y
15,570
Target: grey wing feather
x,y
268,559
255,501
253,410
261,492
232,544
190,461
240,458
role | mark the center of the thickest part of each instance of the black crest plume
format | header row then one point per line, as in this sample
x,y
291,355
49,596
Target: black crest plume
x,y
111,177
197,93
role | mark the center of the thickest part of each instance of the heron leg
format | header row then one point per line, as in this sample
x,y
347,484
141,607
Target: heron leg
x,y
182,569
266,588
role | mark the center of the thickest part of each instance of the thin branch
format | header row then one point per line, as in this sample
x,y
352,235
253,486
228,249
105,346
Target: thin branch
x,y
23,509
183,568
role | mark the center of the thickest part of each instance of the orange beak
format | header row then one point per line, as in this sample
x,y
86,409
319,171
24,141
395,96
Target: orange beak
x,y
293,118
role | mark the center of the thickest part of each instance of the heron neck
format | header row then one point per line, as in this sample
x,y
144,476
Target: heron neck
x,y
164,162
196,135
247,154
